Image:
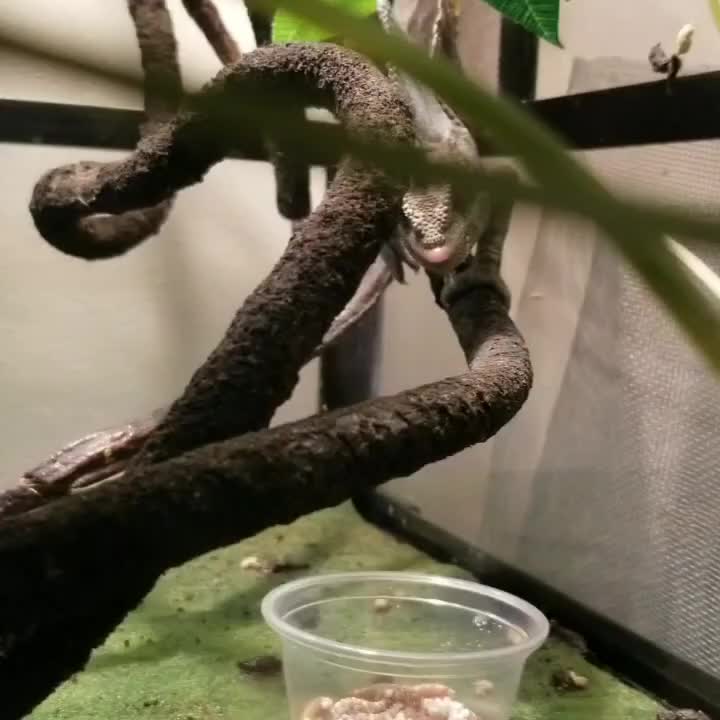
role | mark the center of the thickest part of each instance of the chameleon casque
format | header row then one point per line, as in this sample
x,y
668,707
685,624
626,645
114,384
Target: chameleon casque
x,y
438,231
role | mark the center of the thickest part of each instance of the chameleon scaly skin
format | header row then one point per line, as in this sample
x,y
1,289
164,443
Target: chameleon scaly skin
x,y
440,227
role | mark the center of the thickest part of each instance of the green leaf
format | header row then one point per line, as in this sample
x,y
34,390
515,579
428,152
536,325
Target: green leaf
x,y
715,9
538,16
290,28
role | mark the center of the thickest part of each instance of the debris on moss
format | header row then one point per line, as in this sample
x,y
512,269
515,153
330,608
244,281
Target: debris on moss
x,y
263,665
682,715
569,680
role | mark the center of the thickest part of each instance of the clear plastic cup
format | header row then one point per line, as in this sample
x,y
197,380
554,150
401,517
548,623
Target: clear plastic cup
x,y
392,638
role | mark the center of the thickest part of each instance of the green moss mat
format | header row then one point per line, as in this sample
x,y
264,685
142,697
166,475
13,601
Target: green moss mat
x,y
175,657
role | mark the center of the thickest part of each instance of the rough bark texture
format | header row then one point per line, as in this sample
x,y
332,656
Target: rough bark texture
x,y
256,367
276,331
292,174
95,237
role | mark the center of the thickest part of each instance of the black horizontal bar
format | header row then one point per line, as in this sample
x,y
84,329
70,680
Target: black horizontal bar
x,y
43,123
685,109
23,121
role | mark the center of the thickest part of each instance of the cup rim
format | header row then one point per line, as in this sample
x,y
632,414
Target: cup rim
x,y
538,633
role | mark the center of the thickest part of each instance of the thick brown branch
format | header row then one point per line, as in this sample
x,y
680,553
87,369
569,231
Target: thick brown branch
x,y
278,328
181,152
73,569
96,237
256,367
107,453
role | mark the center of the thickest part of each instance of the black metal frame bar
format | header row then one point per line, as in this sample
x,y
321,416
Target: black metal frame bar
x,y
517,64
685,109
62,124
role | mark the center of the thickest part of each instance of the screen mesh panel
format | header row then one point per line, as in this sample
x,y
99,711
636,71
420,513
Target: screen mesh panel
x,y
607,485
621,506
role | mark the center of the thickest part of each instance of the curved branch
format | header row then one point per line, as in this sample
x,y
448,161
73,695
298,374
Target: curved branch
x,y
73,569
106,453
256,367
358,214
95,237
180,152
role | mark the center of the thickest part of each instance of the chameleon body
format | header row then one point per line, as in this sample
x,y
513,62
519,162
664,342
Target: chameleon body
x,y
439,228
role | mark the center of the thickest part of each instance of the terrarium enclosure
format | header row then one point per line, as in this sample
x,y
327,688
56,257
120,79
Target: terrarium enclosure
x,y
596,499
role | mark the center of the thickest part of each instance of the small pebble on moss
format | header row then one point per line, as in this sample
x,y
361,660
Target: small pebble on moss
x,y
483,688
682,715
569,680
254,563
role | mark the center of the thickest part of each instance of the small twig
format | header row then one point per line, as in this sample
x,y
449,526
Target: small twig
x,y
660,62
208,19
671,65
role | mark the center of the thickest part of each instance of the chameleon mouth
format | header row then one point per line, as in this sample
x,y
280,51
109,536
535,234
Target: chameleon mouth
x,y
439,258
437,254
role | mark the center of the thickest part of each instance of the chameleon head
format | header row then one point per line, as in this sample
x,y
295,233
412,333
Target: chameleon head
x,y
440,236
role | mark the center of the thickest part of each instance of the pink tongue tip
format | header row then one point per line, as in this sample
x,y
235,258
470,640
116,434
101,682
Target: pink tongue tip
x,y
438,254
